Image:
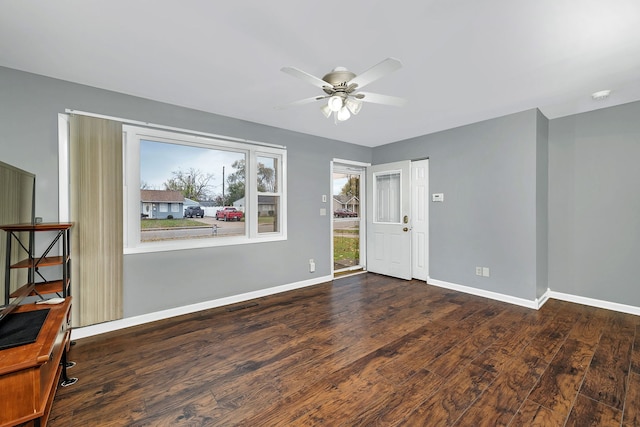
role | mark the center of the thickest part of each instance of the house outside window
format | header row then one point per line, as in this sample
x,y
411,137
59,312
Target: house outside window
x,y
168,202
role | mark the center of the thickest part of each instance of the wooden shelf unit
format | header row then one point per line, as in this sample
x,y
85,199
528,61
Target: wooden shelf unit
x,y
61,285
30,373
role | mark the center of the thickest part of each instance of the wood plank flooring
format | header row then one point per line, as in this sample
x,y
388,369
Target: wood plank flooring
x,y
364,350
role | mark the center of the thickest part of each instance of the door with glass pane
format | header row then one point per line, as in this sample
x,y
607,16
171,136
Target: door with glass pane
x,y
388,220
348,214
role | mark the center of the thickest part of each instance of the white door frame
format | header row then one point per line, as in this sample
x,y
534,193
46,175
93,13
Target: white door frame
x,y
363,213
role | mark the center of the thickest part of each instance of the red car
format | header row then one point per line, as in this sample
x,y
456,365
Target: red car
x,y
344,213
228,214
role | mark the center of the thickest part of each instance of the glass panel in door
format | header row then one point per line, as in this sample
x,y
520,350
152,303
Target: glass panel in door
x,y
387,197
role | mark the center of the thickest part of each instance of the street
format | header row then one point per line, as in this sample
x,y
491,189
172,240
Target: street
x,y
210,228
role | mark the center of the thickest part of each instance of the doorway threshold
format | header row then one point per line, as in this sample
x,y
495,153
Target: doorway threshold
x,y
350,272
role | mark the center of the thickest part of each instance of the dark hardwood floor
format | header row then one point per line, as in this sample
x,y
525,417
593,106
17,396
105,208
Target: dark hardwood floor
x,y
363,350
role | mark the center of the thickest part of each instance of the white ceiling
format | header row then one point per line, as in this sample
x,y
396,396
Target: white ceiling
x,y
463,60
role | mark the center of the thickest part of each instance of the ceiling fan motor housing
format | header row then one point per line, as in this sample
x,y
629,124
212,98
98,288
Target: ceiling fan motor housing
x,y
340,76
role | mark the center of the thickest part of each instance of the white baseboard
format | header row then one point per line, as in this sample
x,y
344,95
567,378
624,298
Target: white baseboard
x,y
543,298
538,302
535,304
115,325
614,306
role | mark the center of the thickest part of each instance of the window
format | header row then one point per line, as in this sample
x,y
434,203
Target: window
x,y
176,185
386,187
268,195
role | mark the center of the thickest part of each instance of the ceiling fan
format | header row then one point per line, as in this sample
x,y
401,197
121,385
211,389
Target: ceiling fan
x,y
342,89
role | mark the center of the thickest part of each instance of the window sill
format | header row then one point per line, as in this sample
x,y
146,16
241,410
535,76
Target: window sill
x,y
167,246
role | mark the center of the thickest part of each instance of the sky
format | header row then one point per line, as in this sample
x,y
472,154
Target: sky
x,y
158,160
339,181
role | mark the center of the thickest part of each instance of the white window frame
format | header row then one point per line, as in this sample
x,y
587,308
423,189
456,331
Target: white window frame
x,y
278,193
131,180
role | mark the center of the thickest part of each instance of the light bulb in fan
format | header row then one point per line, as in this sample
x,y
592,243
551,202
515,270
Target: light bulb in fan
x,y
343,114
335,103
326,111
354,105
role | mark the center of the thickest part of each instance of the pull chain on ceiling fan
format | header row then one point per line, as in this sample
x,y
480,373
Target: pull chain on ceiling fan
x,y
341,89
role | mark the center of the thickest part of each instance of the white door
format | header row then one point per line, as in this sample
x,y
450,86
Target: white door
x,y
388,219
420,219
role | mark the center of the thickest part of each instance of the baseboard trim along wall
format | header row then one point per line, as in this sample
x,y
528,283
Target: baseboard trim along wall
x,y
87,331
535,304
614,306
101,328
538,302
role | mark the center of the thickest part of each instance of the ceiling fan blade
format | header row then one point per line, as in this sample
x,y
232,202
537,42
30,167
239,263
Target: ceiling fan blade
x,y
295,72
376,98
377,71
300,102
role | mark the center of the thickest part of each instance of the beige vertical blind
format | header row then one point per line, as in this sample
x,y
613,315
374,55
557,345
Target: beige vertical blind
x,y
95,197
15,192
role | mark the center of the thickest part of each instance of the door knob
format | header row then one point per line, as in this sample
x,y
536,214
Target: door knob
x,y
405,229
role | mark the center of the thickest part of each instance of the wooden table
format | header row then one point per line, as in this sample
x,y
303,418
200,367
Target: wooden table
x,y
29,374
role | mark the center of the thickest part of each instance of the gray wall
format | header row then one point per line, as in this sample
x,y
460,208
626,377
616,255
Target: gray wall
x,y
29,105
544,203
487,172
594,204
541,203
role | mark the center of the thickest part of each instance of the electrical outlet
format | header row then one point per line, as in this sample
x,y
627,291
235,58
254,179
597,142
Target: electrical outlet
x,y
478,271
485,271
312,265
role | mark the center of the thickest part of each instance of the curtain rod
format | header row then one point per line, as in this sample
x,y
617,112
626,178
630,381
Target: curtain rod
x,y
172,128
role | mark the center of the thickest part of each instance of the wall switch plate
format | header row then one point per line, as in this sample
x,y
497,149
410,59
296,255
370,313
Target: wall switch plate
x,y
323,212
478,271
324,198
485,271
437,197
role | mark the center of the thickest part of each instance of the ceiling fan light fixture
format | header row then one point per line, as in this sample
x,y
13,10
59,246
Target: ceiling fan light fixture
x,y
335,103
343,114
326,111
354,105
339,89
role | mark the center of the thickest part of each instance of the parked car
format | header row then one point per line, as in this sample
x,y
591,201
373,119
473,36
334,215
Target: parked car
x,y
194,211
228,214
344,213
